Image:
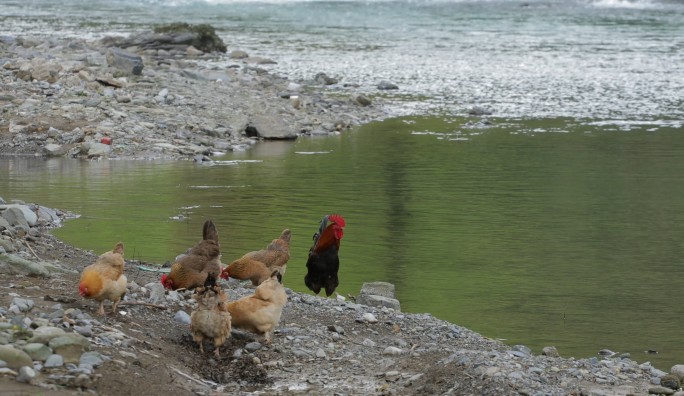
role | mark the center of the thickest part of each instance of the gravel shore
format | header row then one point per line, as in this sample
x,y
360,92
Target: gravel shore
x,y
63,98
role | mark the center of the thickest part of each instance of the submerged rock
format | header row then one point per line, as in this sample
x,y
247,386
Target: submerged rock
x,y
386,85
125,61
204,36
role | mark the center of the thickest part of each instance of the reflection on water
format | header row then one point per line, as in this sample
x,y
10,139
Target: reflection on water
x,y
540,232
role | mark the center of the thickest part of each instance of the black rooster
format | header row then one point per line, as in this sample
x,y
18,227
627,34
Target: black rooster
x,y
323,262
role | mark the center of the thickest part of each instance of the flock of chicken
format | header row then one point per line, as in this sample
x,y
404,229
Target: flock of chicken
x,y
200,267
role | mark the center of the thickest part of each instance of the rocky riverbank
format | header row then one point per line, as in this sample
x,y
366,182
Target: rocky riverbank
x,y
53,339
93,99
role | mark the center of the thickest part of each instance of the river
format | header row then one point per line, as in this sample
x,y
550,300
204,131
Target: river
x,y
537,232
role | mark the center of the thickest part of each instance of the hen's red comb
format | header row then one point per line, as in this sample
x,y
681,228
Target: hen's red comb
x,y
163,279
337,219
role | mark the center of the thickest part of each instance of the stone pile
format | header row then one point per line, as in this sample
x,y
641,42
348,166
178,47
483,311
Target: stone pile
x,y
131,98
21,225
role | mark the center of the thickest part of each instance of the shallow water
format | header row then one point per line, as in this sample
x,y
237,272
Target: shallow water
x,y
539,232
519,58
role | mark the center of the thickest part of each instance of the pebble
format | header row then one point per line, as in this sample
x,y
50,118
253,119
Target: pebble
x,y
26,374
390,350
128,354
182,317
94,359
157,292
174,296
370,318
85,331
54,361
253,346
336,329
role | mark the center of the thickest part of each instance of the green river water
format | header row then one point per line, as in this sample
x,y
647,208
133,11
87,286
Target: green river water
x,y
540,232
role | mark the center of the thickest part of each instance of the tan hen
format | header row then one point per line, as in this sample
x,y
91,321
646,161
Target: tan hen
x,y
211,319
104,279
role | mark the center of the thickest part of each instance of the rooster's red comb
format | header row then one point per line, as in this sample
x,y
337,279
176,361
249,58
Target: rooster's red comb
x,y
337,219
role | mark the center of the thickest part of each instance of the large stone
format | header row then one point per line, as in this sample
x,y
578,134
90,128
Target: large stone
x,y
270,127
4,224
670,381
15,265
71,346
660,390
238,54
47,215
202,37
94,359
55,150
173,37
22,304
14,358
54,361
98,150
361,100
550,351
386,85
322,78
383,289
678,370
378,301
46,71
37,351
19,215
125,61
46,333
18,127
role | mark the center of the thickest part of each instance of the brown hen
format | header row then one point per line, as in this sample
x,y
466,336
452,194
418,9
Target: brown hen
x,y
191,269
257,266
